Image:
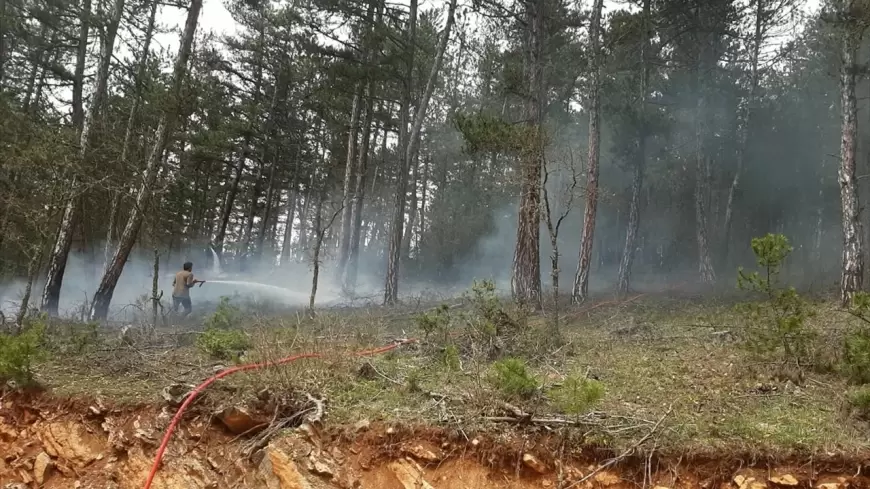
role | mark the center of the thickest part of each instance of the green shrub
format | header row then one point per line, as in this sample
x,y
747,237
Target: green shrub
x,y
577,394
221,340
450,355
491,326
223,344
859,401
856,346
777,324
19,352
83,336
414,380
856,356
435,323
512,378
225,316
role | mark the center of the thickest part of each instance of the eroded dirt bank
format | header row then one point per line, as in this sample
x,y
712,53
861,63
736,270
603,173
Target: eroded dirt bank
x,y
52,444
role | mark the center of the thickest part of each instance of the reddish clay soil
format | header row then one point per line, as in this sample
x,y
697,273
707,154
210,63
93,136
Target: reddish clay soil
x,y
54,444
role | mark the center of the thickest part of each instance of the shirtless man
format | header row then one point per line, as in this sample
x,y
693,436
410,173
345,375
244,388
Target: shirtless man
x,y
181,286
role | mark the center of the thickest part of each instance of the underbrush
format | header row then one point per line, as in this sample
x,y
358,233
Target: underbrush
x,y
223,339
779,373
19,352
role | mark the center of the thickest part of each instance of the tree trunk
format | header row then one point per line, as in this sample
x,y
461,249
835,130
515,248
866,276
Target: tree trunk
x,y
267,213
526,273
103,295
352,268
244,154
102,82
292,197
347,195
230,199
40,58
743,131
702,190
250,216
391,292
397,221
155,289
853,258
131,124
315,252
280,93
302,246
367,139
624,277
412,210
78,115
32,272
581,279
63,240
252,207
423,194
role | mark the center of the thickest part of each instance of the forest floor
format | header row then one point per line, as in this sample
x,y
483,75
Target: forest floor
x,y
675,360
686,402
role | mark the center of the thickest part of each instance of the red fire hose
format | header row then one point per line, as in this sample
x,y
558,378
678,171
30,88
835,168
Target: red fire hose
x,y
241,368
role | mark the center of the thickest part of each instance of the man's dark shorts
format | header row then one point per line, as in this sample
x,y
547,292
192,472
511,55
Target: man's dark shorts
x,y
183,302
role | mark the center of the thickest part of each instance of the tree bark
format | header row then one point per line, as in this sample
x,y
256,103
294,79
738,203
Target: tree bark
x,y
40,58
280,93
103,295
244,154
581,279
526,272
624,277
368,140
347,195
78,116
302,245
63,240
352,268
102,82
423,195
315,252
407,236
743,131
397,221
391,292
292,198
32,272
853,259
702,190
128,132
230,198
155,289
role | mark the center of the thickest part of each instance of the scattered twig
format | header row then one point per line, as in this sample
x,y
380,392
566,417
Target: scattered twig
x,y
317,413
625,453
382,375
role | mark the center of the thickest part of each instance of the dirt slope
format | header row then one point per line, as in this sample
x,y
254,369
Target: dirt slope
x,y
56,445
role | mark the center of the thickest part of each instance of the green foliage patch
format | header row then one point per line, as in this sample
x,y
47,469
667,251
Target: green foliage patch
x,y
776,325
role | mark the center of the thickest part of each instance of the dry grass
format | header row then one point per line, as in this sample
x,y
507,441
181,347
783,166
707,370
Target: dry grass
x,y
651,354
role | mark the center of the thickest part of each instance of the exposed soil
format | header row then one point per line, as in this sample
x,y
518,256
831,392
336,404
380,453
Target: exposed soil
x,y
51,443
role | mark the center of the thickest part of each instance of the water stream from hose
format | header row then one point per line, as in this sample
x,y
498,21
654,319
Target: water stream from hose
x,y
274,289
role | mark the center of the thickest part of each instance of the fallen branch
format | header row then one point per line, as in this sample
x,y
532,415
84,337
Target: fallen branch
x,y
539,421
275,426
625,453
382,375
317,413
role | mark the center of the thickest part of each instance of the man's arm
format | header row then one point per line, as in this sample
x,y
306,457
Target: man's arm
x,y
190,282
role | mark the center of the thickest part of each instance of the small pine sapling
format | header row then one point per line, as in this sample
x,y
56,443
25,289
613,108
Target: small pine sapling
x,y
777,324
